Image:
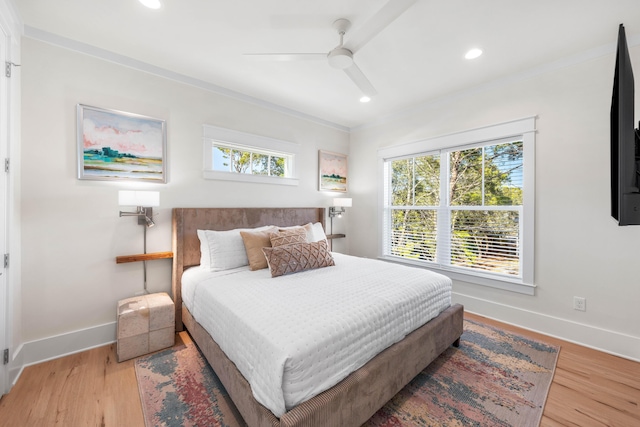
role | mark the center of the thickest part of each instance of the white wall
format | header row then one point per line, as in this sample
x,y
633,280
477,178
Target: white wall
x,y
71,232
579,249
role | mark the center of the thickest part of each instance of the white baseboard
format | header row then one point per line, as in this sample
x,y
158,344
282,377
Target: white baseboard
x,y
72,342
37,351
608,341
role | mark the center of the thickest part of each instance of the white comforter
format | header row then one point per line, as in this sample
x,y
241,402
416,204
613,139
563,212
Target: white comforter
x,y
294,336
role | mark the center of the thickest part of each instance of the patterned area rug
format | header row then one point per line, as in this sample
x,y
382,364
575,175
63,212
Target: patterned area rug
x,y
495,378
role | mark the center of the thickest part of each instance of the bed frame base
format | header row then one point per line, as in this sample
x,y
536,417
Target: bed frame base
x,y
355,399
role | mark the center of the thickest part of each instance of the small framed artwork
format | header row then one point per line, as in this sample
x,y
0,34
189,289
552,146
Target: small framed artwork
x,y
114,145
333,171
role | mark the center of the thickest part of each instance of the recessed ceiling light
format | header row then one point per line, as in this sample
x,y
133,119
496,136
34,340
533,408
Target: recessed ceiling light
x,y
473,54
365,99
151,4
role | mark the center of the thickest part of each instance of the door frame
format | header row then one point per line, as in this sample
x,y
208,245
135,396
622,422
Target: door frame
x,y
11,29
4,211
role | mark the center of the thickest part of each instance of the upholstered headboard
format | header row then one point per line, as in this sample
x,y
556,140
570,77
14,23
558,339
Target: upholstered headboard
x,y
186,222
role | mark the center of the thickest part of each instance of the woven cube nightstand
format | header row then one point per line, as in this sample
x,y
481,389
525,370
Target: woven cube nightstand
x,y
146,323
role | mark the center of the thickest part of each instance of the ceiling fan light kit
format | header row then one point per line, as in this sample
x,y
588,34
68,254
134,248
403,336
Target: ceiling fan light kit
x,y
341,57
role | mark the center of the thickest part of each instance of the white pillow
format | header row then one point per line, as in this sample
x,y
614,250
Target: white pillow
x,y
315,232
223,250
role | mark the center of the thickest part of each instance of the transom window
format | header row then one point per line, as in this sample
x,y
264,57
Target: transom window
x,y
462,209
228,158
238,156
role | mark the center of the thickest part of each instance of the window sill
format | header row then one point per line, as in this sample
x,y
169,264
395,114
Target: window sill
x,y
509,285
256,179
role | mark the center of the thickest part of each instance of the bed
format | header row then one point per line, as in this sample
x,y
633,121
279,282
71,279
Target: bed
x,y
350,402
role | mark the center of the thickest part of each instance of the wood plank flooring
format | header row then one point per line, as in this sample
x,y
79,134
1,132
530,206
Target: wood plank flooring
x,y
590,388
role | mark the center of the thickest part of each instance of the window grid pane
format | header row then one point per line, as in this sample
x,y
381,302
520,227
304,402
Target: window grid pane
x,y
277,166
259,164
413,233
415,181
401,182
221,159
486,240
241,161
427,181
503,174
465,177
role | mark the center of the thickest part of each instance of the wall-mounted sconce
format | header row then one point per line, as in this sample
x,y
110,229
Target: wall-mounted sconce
x,y
338,208
144,201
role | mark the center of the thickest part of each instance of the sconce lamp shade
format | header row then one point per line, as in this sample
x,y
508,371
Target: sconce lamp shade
x,y
338,208
344,202
139,198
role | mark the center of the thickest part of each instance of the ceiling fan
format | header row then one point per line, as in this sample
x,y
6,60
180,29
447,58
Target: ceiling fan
x,y
341,57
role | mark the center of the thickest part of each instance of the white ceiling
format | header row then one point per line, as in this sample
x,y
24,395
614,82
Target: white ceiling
x,y
417,59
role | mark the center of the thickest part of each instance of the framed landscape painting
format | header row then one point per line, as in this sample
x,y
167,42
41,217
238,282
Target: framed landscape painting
x,y
114,145
333,171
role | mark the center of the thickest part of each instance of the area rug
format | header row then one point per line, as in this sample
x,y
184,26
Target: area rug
x,y
495,378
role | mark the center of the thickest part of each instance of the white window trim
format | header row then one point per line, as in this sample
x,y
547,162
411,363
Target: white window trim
x,y
249,142
523,129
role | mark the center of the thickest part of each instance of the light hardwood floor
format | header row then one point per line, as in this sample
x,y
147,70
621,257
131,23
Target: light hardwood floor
x,y
590,388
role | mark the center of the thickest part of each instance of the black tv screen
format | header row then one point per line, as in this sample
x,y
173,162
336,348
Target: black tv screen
x,y
625,143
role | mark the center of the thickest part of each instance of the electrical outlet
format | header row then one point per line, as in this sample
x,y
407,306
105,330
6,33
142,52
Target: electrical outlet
x,y
580,303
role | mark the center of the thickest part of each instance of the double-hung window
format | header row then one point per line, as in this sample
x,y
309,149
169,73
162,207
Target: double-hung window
x,y
238,156
463,204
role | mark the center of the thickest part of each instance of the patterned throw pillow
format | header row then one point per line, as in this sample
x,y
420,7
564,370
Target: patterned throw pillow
x,y
297,257
288,237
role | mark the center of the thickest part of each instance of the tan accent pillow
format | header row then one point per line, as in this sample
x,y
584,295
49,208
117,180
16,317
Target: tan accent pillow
x,y
289,236
297,257
254,241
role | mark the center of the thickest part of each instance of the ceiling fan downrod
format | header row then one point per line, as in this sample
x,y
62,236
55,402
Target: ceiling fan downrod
x,y
340,57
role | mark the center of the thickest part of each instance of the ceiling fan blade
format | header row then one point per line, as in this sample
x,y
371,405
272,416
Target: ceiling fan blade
x,y
378,22
361,80
285,56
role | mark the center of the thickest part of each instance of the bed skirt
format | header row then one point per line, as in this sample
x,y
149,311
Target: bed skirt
x,y
356,398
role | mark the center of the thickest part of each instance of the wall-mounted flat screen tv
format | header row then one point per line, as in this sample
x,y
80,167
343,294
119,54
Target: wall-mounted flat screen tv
x,y
625,141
